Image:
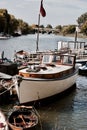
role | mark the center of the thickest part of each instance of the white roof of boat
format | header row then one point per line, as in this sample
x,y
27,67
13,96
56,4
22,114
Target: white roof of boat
x,y
84,67
49,70
5,76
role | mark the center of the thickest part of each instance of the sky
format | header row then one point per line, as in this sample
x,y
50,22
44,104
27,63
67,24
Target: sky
x,y
58,12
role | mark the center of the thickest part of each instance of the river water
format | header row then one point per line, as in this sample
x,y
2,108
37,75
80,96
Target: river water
x,y
66,113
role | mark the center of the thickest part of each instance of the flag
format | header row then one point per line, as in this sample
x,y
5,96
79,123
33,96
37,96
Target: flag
x,y
42,10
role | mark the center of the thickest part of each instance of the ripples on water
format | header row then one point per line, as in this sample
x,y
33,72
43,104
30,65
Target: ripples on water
x,y
67,113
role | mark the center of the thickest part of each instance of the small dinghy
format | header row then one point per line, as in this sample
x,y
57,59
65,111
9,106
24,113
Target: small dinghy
x,y
23,118
3,122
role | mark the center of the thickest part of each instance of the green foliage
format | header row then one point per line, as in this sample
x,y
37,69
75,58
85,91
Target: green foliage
x,y
4,21
68,29
84,28
24,27
59,27
81,20
49,26
13,25
41,26
9,24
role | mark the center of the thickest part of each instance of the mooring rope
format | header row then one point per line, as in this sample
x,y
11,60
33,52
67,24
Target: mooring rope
x,y
8,89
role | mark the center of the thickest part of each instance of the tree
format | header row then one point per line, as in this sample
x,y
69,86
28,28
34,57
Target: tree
x,y
59,27
13,25
41,26
2,23
9,24
49,26
84,28
68,29
4,20
23,26
81,20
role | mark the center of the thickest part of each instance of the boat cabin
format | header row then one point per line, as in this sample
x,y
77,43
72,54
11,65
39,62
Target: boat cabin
x,y
52,66
63,59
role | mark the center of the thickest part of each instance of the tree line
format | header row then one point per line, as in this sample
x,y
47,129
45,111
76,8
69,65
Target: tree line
x,y
11,25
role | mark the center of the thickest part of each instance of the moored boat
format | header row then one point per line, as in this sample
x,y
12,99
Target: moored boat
x,y
75,47
21,58
7,66
23,118
54,75
83,70
3,122
8,87
4,37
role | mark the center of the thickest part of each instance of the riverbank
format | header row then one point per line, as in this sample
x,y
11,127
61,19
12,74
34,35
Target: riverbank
x,y
80,35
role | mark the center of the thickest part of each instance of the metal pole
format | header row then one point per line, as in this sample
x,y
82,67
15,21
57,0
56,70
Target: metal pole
x,y
37,48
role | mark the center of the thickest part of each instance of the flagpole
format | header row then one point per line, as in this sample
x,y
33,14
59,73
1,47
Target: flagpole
x,y
43,13
37,48
76,35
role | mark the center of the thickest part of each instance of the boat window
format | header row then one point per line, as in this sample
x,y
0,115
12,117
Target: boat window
x,y
58,58
54,58
47,59
68,60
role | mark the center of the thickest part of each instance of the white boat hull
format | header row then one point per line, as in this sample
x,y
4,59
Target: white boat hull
x,y
33,90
